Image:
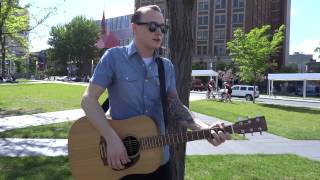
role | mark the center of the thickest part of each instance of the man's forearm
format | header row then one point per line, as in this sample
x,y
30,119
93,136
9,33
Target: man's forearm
x,y
179,112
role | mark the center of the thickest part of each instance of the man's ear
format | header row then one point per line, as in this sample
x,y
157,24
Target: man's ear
x,y
134,28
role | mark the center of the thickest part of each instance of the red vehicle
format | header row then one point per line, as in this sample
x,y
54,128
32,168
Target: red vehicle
x,y
197,85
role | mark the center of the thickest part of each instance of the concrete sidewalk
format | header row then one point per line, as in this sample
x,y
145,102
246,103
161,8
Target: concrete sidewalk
x,y
14,122
256,144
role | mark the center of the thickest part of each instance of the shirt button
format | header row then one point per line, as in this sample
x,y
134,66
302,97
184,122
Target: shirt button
x,y
146,80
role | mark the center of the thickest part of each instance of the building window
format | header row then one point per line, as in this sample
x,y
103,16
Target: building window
x,y
202,50
220,4
219,34
238,3
202,35
237,18
219,50
220,19
203,5
203,20
199,50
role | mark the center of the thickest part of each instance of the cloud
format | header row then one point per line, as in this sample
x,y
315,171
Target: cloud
x,y
307,47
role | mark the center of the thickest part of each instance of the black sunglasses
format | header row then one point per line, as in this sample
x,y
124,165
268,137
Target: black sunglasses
x,y
153,26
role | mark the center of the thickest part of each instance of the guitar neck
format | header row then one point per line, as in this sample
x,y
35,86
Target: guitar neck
x,y
178,138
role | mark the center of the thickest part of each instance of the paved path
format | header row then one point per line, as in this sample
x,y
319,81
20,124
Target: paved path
x,y
15,122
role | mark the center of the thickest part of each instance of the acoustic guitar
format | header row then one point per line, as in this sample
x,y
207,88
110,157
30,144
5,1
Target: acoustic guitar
x,y
142,140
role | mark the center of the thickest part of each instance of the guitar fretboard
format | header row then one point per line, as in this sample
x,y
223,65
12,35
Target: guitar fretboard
x,y
170,139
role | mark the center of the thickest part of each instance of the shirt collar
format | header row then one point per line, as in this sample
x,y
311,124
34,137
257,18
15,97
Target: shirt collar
x,y
132,49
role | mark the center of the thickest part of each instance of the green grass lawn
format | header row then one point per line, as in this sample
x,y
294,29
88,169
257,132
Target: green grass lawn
x,y
291,122
56,131
37,98
222,167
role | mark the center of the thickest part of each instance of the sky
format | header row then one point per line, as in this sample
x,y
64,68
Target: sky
x,y
304,20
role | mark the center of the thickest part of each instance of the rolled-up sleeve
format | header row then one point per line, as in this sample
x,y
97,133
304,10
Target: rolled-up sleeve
x,y
170,78
104,71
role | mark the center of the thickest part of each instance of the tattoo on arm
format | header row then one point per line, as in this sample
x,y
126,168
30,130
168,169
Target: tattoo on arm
x,y
179,112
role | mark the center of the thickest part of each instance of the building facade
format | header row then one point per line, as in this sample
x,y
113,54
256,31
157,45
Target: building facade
x,y
120,27
299,61
216,20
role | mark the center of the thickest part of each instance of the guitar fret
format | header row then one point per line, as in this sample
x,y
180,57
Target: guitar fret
x,y
148,142
141,143
177,138
151,142
157,143
160,141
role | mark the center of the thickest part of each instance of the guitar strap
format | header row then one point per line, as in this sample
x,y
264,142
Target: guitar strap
x,y
163,94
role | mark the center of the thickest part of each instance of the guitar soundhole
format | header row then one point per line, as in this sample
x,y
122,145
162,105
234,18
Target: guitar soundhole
x,y
132,146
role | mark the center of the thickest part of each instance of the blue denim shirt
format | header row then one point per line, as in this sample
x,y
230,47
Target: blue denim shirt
x,y
133,87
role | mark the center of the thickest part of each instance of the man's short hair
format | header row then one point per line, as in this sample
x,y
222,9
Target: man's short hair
x,y
136,17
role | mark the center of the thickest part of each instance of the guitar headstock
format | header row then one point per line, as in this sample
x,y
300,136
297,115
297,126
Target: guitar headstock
x,y
250,125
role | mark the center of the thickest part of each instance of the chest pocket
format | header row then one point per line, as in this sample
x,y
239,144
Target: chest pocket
x,y
152,86
127,84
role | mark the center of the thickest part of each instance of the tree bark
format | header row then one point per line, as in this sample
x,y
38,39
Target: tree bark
x,y
181,48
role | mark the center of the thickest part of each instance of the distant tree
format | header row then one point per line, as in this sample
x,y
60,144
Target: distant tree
x,y
317,50
253,51
74,43
15,22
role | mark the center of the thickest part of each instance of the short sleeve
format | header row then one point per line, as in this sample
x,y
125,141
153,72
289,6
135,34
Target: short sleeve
x,y
104,71
170,78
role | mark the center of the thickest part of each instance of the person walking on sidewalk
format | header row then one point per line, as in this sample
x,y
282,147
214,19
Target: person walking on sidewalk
x,y
131,77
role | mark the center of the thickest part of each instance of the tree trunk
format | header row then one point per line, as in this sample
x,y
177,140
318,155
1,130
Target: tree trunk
x,y
181,48
3,56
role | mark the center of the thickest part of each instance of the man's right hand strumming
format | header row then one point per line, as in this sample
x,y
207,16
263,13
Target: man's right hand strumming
x,y
116,152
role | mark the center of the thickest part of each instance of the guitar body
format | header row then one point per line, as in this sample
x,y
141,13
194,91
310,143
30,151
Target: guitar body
x,y
85,155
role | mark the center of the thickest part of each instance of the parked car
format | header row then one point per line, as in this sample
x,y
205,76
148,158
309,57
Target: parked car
x,y
63,78
197,85
245,91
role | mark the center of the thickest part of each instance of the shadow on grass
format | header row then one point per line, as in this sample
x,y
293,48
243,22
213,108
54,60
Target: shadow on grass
x,y
19,112
292,109
36,166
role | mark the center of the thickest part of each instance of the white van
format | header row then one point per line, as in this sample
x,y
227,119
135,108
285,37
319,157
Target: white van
x,y
245,91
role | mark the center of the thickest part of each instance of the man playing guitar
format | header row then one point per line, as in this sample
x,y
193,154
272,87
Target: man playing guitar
x,y
131,77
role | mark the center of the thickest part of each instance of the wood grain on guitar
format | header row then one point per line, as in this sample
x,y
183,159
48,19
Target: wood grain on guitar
x,y
141,137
